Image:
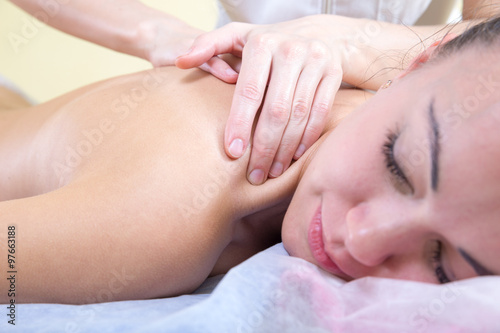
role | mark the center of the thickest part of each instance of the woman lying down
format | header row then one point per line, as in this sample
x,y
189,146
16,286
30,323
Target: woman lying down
x,y
129,176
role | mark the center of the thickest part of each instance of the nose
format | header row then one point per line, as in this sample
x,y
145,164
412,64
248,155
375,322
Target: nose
x,y
377,231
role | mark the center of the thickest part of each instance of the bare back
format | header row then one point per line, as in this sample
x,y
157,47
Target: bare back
x,y
128,177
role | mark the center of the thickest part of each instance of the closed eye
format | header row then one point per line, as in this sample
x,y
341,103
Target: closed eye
x,y
401,181
437,263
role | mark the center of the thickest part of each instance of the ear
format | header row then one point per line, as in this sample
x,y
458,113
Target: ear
x,y
426,55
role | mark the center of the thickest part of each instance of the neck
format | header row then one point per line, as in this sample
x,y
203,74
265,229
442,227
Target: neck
x,y
277,192
264,206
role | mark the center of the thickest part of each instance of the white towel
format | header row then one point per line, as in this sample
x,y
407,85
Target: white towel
x,y
5,82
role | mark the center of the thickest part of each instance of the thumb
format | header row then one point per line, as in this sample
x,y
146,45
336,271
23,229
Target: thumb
x,y
228,39
194,57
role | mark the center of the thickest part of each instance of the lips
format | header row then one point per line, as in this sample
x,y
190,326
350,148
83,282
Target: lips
x,y
317,246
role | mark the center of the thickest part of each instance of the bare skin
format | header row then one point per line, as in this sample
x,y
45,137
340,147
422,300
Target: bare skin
x,y
122,189
11,100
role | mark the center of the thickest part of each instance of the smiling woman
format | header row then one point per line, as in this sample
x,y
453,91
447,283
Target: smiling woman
x,y
100,183
420,202
115,182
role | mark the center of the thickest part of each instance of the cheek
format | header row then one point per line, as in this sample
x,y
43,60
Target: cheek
x,y
351,161
342,173
290,236
295,227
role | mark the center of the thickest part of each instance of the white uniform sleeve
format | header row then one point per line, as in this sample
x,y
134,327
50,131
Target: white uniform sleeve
x,y
271,11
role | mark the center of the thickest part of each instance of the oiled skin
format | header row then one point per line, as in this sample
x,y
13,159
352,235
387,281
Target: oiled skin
x,y
122,189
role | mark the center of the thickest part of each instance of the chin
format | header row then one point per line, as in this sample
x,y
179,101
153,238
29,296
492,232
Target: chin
x,y
291,237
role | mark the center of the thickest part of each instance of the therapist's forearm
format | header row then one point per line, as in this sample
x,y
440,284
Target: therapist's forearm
x,y
377,51
382,50
126,26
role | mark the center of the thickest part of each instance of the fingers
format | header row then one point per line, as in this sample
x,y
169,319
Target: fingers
x,y
275,116
303,74
220,69
301,114
228,39
301,91
206,49
307,120
199,53
274,147
322,105
248,96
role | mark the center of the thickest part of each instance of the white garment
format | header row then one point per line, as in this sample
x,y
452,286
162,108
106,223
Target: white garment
x,y
271,11
6,83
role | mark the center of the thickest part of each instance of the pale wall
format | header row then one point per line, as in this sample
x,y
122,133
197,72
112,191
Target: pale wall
x,y
51,63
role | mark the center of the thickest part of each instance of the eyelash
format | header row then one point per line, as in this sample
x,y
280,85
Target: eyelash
x,y
390,161
395,169
437,263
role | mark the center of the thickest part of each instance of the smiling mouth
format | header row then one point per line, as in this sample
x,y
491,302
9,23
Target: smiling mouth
x,y
317,246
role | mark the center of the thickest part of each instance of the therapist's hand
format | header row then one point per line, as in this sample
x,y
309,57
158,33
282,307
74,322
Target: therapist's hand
x,y
161,40
301,74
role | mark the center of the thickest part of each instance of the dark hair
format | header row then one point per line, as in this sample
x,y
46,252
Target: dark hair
x,y
487,32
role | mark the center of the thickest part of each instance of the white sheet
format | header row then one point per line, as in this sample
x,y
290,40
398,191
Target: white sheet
x,y
272,292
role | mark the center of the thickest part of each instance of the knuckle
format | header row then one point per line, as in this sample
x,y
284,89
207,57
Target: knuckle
x,y
279,112
287,149
293,50
267,138
266,153
251,93
318,50
300,109
262,41
321,109
263,152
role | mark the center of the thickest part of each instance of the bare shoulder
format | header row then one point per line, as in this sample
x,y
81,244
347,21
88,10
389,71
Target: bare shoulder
x,y
346,101
143,187
138,165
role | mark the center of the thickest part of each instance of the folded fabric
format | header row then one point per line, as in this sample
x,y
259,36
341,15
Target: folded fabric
x,y
5,82
273,292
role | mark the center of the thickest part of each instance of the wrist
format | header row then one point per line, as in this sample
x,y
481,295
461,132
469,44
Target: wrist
x,y
160,40
140,42
370,51
348,39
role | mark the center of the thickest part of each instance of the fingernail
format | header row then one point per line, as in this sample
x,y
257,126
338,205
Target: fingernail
x,y
236,148
256,177
230,72
276,169
300,151
185,53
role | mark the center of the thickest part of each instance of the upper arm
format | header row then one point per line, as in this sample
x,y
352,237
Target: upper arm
x,y
85,244
477,9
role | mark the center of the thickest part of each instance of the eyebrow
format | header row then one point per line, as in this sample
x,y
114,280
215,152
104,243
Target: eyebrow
x,y
435,147
480,269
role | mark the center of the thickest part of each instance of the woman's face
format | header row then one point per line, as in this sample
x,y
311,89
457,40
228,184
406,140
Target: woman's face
x,y
408,186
